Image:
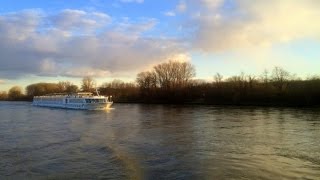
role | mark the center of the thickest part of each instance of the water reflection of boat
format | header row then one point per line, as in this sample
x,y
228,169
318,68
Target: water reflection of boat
x,y
81,100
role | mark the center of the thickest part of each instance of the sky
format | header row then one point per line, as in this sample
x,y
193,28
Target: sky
x,y
58,40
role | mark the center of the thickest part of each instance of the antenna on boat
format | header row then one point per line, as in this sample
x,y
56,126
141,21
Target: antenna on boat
x,y
97,92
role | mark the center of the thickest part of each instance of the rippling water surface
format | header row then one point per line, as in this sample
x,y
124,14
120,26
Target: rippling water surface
x,y
135,141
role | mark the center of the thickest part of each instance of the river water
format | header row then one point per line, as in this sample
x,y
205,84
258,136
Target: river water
x,y
133,141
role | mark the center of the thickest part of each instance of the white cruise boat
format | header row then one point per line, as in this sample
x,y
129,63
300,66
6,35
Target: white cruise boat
x,y
81,100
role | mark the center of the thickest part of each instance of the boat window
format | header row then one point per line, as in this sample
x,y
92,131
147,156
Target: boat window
x,y
95,100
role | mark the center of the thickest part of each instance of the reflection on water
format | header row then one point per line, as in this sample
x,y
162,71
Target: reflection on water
x,y
159,141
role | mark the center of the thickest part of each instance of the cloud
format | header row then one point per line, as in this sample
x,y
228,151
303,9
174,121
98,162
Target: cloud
x,y
76,43
136,27
211,4
19,25
2,81
81,21
169,13
132,1
194,5
181,7
228,25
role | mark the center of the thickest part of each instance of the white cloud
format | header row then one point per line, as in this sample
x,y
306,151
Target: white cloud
x,y
130,1
211,4
136,27
169,13
72,43
254,23
181,7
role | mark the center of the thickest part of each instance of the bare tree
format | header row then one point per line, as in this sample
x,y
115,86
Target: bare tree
x,y
238,82
63,86
39,89
185,73
218,78
88,84
147,80
264,77
174,74
3,95
72,88
117,84
162,74
142,80
280,78
251,80
15,92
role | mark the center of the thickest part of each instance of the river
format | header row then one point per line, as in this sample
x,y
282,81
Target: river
x,y
134,141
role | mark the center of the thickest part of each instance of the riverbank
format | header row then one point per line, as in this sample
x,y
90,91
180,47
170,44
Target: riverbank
x,y
200,103
203,102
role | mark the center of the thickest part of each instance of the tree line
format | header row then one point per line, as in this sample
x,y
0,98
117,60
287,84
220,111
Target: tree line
x,y
173,82
169,83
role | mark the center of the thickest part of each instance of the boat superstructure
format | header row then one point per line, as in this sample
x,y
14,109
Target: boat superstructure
x,y
81,100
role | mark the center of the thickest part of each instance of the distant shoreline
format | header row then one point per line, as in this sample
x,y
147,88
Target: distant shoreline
x,y
166,83
223,104
245,104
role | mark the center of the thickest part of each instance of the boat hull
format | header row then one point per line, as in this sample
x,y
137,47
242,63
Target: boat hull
x,y
82,106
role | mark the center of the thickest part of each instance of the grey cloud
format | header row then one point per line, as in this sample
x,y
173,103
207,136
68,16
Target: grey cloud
x,y
82,21
19,25
31,46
